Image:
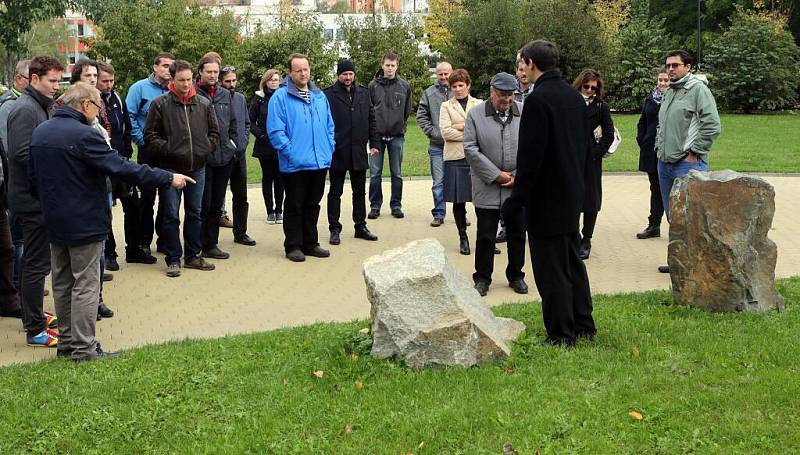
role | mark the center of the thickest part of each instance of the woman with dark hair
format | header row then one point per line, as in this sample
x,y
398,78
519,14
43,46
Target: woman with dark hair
x,y
601,134
457,182
263,149
646,138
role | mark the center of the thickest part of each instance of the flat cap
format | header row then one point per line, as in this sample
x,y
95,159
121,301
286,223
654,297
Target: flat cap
x,y
504,82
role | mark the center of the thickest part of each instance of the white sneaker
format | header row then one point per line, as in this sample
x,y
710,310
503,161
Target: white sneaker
x,y
271,218
279,218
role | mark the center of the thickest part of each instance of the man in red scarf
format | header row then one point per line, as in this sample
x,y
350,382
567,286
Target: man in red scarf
x,y
180,133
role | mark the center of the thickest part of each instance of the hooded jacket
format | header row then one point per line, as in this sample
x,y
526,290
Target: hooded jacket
x,y
69,161
140,95
428,112
180,134
302,131
29,110
391,105
222,101
688,120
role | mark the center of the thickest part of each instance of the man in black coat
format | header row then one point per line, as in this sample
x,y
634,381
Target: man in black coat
x,y
549,183
354,120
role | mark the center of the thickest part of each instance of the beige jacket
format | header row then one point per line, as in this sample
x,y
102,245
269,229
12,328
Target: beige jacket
x,y
453,113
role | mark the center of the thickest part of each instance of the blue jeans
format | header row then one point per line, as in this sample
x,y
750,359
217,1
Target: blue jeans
x,y
437,175
668,172
395,148
192,223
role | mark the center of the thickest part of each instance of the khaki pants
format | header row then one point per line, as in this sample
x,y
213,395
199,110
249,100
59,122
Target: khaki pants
x,y
76,291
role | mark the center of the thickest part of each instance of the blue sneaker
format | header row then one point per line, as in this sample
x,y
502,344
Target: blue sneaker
x,y
46,339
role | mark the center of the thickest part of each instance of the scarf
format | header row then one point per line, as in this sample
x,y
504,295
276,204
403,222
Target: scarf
x,y
588,99
657,95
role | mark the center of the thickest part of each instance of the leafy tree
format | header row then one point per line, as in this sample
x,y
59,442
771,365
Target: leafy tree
x,y
440,13
755,64
367,40
643,42
267,49
131,35
17,17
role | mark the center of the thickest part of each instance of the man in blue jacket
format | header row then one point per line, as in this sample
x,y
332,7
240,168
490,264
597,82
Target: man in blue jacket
x,y
300,127
69,161
140,95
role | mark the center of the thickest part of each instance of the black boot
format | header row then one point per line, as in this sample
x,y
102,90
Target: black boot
x,y
651,231
463,243
586,248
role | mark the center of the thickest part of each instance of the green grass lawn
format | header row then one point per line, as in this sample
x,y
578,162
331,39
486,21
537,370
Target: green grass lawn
x,y
748,143
703,383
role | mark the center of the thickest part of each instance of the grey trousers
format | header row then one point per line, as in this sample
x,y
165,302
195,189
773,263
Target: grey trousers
x,y
76,290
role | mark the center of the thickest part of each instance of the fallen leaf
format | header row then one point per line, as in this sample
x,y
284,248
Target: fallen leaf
x,y
319,373
348,428
421,445
635,415
353,356
359,385
508,370
364,331
635,351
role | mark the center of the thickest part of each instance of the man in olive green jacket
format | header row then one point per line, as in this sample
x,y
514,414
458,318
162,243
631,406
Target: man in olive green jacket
x,y
688,123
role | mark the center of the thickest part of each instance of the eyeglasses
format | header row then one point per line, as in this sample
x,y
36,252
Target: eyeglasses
x,y
24,77
590,87
95,104
674,65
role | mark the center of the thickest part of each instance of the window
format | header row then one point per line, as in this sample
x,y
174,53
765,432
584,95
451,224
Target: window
x,y
328,34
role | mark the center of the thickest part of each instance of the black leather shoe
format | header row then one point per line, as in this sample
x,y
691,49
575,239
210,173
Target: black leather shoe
x,y
107,277
373,214
663,268
335,238
519,286
317,252
296,256
365,235
397,213
463,245
482,287
98,355
140,257
501,237
244,239
497,250
649,232
112,264
104,311
585,249
216,253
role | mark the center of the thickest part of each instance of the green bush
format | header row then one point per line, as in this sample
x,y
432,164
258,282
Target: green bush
x,y
755,64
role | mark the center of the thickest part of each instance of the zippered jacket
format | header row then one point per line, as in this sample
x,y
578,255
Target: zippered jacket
x,y
179,136
140,95
302,131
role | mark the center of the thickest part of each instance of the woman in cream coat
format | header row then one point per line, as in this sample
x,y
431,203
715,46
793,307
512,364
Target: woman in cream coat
x,y
457,184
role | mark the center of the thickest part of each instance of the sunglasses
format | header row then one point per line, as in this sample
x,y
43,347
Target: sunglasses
x,y
228,69
674,65
590,87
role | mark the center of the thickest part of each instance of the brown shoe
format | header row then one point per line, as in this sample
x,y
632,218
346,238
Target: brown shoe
x,y
225,222
437,222
198,263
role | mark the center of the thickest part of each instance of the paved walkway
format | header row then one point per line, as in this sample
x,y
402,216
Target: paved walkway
x,y
258,289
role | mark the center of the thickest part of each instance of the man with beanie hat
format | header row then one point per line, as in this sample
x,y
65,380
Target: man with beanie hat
x,y
353,120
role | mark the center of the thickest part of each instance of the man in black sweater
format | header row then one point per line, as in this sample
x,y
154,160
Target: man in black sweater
x,y
549,183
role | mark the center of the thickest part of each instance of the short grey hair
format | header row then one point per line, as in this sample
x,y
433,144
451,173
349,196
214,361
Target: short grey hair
x,y
22,68
79,92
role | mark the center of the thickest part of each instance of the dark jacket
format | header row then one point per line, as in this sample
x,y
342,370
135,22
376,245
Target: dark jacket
x,y
259,108
30,110
598,114
225,149
239,105
391,105
551,157
3,179
646,136
69,161
428,111
117,113
180,137
353,119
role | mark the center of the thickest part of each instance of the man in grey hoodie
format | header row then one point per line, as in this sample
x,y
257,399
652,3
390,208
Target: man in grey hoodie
x,y
688,123
428,119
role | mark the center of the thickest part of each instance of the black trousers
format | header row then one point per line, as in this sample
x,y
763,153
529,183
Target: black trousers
x,y
358,180
485,243
213,196
564,287
147,203
304,190
239,193
35,266
271,178
132,223
9,297
656,203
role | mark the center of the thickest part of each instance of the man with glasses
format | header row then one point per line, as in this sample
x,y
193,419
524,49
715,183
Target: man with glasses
x,y
688,123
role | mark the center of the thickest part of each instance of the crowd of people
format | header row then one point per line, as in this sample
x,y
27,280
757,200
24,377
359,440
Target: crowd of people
x,y
529,159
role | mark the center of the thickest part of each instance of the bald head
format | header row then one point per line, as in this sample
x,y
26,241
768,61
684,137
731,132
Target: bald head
x,y
443,71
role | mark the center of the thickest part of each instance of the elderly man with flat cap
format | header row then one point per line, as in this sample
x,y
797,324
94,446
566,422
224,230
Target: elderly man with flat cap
x,y
491,134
